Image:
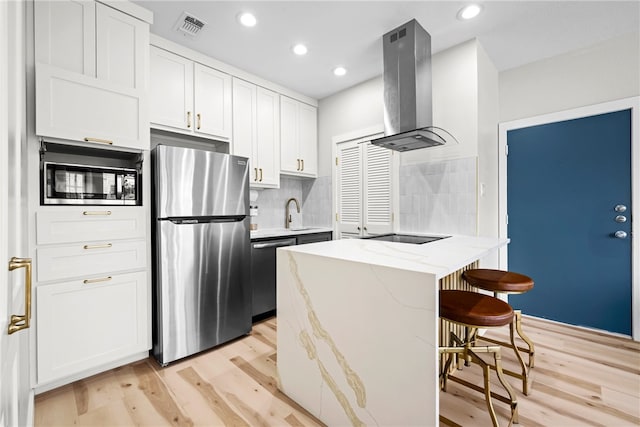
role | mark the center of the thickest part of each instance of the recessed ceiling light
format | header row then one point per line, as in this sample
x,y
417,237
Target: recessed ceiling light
x,y
469,11
300,49
339,71
247,19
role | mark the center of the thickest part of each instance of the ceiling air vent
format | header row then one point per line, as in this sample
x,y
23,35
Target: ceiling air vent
x,y
189,25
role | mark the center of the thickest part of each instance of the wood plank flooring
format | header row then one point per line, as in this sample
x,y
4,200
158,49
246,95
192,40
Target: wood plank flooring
x,y
581,378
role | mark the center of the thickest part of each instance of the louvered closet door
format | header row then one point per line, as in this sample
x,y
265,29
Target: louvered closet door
x,y
377,214
349,190
364,190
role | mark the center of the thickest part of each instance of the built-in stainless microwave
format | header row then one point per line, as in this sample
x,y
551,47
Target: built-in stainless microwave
x,y
74,184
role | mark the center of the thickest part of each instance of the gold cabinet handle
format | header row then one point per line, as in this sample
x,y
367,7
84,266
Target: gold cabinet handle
x,y
19,322
189,119
96,213
98,140
302,161
256,172
298,168
199,120
106,245
102,279
260,174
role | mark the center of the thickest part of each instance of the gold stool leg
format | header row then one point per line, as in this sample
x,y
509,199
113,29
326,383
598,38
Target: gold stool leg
x,y
514,403
524,376
525,338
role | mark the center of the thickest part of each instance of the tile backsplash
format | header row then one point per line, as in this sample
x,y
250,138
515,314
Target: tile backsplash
x,y
435,197
314,196
439,197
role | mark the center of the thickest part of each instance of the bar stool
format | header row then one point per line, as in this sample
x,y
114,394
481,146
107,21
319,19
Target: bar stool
x,y
474,311
507,282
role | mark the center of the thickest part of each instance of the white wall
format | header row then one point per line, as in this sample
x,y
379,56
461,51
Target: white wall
x,y
603,72
359,107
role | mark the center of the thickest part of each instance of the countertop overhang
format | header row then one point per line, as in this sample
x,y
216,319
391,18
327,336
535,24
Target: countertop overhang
x,y
439,258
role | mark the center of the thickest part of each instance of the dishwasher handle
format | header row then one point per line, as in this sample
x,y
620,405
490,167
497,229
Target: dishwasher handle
x,y
278,244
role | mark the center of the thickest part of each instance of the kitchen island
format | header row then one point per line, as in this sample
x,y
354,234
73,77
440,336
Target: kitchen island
x,y
358,328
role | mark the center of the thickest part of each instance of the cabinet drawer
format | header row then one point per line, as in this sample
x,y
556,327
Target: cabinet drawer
x,y
84,325
88,260
68,225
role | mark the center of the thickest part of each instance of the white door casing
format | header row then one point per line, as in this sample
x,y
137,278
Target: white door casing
x,y
16,395
632,103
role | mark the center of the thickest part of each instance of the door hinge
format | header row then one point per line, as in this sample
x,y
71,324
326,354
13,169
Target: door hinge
x,y
336,161
506,150
392,217
337,218
506,219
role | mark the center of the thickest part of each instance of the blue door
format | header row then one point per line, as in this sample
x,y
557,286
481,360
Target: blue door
x,y
564,182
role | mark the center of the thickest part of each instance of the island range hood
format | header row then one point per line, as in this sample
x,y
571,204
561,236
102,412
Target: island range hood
x,y
407,90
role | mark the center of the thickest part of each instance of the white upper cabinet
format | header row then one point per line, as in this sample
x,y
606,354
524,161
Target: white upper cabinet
x,y
299,138
91,73
66,35
256,132
188,97
171,89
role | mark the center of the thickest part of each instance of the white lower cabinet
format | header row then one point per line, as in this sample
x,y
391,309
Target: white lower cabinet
x,y
83,324
93,290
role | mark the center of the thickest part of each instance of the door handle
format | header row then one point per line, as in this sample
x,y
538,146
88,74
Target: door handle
x,y
189,119
199,120
19,322
620,234
298,164
260,174
256,172
302,161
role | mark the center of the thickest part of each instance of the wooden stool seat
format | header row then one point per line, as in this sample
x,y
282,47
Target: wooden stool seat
x,y
472,308
498,280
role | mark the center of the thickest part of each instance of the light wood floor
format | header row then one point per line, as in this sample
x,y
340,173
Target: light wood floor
x,y
580,379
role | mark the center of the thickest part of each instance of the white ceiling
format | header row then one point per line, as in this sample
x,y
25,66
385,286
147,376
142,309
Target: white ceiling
x,y
348,33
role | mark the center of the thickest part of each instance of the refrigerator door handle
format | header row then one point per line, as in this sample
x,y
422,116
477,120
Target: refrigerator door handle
x,y
205,220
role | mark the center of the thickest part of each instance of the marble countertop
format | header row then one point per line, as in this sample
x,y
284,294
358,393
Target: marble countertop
x,y
440,257
281,232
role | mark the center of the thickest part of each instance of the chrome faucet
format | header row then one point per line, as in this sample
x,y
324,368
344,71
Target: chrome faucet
x,y
287,218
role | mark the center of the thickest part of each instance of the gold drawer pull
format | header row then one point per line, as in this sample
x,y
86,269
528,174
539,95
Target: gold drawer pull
x,y
107,245
102,279
302,161
101,141
298,164
199,120
22,321
96,213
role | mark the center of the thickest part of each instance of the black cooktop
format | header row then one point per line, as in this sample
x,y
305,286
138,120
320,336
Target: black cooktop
x,y
405,238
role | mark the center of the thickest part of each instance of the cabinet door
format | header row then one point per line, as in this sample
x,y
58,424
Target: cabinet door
x,y
82,108
65,35
83,324
289,159
244,123
268,137
308,139
212,102
122,48
171,90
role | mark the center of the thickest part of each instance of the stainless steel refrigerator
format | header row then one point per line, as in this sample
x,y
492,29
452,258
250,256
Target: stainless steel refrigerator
x,y
202,293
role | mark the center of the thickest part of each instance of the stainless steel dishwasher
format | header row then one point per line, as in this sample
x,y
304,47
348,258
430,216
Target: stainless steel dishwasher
x,y
263,275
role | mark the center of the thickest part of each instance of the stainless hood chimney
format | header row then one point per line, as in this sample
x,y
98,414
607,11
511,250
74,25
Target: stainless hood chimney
x,y
407,90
